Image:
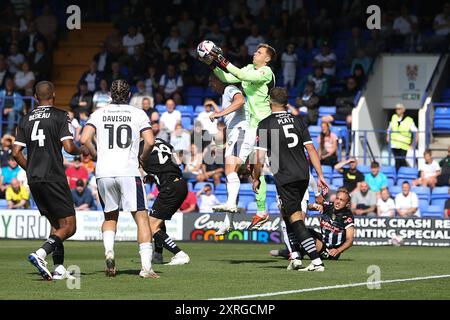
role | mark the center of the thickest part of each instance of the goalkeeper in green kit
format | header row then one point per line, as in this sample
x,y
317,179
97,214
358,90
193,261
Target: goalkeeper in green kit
x,y
256,79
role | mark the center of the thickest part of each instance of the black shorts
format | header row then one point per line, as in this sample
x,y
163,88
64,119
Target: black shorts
x,y
291,195
324,251
53,199
169,199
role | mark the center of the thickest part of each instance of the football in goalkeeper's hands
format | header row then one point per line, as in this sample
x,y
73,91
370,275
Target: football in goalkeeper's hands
x,y
204,48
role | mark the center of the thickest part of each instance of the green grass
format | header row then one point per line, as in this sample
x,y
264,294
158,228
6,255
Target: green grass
x,y
225,270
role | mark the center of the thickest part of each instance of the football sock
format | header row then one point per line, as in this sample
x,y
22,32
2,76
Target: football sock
x,y
158,246
49,246
291,239
261,197
108,241
306,240
58,255
60,269
166,241
233,185
146,253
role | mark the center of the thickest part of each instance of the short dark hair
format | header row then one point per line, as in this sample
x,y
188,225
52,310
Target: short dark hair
x,y
44,90
80,183
427,151
374,164
120,91
270,50
279,95
405,182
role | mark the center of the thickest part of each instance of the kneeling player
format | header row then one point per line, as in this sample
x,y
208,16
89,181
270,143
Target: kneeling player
x,y
172,192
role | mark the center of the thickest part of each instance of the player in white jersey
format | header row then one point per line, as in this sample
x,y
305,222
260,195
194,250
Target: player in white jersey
x,y
239,144
118,128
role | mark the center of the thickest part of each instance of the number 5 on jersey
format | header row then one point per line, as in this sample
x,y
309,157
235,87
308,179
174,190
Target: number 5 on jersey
x,y
38,134
290,135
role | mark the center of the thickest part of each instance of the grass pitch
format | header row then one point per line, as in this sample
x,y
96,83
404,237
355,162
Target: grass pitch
x,y
220,270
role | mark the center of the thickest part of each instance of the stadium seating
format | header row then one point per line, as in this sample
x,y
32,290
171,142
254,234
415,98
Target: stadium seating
x,y
327,111
390,173
252,208
433,212
199,185
438,202
314,131
394,190
221,197
423,205
160,108
422,193
407,174
246,198
186,122
338,182
3,204
440,193
364,169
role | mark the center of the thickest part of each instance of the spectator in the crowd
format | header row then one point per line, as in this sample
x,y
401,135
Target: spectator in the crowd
x,y
92,77
12,104
147,106
327,60
186,26
444,178
403,24
345,102
17,195
429,171
6,150
376,44
15,58
253,40
28,43
215,35
47,24
321,82
212,167
140,95
352,177
160,133
24,79
385,205
361,59
180,140
171,117
203,117
174,41
151,83
364,201
88,164
400,135
131,40
310,101
193,164
171,84
75,126
41,62
328,143
138,63
407,202
355,43
82,100
184,63
10,171
190,203
359,75
376,179
207,199
102,97
415,41
4,73
113,43
441,26
104,59
115,72
289,64
76,172
82,197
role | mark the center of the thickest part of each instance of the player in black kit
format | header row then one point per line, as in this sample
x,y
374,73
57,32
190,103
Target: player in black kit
x,y
161,167
284,137
43,132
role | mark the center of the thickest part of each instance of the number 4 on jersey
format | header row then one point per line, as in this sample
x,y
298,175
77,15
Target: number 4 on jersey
x,y
38,134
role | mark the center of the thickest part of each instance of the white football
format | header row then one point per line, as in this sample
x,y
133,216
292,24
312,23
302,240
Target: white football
x,y
397,240
204,48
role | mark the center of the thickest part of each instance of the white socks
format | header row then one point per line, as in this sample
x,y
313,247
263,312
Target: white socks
x,y
233,185
41,253
146,252
108,241
317,262
60,269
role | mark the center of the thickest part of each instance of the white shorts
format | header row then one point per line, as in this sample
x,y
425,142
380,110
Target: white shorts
x,y
122,193
240,142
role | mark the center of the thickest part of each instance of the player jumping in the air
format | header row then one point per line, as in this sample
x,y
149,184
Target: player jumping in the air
x,y
162,168
119,128
43,132
256,80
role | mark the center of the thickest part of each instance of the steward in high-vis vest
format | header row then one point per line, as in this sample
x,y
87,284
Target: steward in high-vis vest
x,y
400,134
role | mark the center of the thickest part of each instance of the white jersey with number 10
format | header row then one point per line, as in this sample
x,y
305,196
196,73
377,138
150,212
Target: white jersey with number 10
x,y
118,132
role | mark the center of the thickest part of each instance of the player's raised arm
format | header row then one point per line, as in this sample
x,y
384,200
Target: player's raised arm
x,y
238,102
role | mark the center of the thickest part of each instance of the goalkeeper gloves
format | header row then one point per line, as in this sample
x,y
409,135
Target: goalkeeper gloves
x,y
217,55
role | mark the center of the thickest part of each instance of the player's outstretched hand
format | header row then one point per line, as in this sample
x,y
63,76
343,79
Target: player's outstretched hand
x,y
213,116
256,183
322,184
217,55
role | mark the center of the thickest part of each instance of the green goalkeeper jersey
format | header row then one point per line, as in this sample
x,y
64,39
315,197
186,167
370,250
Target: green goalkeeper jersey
x,y
256,84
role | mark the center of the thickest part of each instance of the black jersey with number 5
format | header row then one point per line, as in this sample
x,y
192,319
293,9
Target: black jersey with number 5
x,y
284,136
42,132
160,164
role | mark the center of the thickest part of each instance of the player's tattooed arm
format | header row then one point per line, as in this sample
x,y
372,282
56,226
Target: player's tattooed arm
x,y
18,155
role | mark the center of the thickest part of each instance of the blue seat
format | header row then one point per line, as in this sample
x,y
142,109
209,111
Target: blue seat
x,y
423,205
252,208
194,91
187,109
339,182
364,169
326,111
246,198
221,197
199,185
186,122
221,186
441,124
440,193
161,108
199,109
407,173
209,93
422,192
271,187
314,131
438,202
3,204
442,113
394,190
389,171
433,212
273,208
194,100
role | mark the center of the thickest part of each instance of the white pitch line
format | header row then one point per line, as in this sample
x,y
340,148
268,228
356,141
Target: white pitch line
x,y
340,286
